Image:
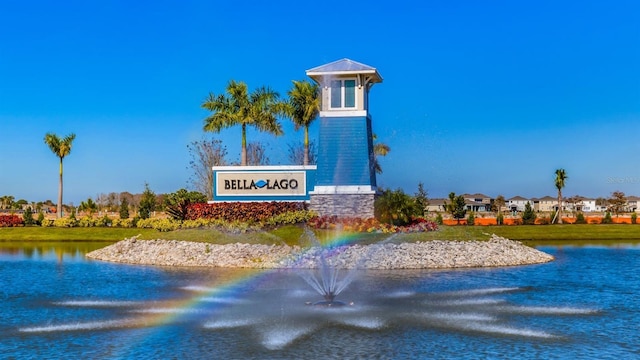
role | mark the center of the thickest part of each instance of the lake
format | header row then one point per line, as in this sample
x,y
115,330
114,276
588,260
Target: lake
x,y
57,304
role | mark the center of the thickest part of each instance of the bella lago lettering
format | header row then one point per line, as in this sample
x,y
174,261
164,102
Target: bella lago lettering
x,y
244,184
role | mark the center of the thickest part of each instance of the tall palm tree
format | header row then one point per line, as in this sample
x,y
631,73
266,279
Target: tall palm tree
x,y
239,107
561,176
379,149
302,108
61,148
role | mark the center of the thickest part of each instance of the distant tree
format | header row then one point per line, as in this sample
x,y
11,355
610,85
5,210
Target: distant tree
x,y
561,177
112,202
498,203
27,216
471,219
6,201
61,148
205,154
303,107
147,202
395,207
239,107
102,200
177,203
379,149
422,199
456,206
40,219
257,154
88,206
617,202
528,215
297,153
124,208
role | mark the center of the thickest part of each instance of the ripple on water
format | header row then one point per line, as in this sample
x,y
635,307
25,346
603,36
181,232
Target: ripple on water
x,y
79,326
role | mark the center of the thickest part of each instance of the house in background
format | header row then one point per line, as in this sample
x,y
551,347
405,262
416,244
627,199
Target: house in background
x,y
437,205
478,202
545,203
518,203
632,203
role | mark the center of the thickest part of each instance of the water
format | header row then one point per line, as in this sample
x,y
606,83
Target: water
x,y
57,305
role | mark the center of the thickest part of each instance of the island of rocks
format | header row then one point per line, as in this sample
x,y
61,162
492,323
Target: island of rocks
x,y
436,254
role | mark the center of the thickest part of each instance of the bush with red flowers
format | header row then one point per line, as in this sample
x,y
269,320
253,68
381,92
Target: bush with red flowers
x,y
241,211
11,220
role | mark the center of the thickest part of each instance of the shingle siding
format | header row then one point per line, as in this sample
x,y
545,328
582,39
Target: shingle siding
x,y
346,152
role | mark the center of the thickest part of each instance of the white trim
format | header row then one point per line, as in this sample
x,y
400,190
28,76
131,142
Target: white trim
x,y
343,113
343,189
263,167
341,72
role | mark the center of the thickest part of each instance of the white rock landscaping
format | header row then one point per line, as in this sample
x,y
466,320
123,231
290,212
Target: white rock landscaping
x,y
436,254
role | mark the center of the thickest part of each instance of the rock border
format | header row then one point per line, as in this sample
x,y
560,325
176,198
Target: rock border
x,y
436,254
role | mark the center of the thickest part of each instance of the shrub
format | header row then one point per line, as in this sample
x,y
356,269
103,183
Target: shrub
x,y
500,219
124,209
370,225
177,203
104,221
123,223
634,217
528,215
439,220
10,221
66,222
86,221
147,202
395,207
471,219
249,212
607,218
580,218
27,216
290,217
40,219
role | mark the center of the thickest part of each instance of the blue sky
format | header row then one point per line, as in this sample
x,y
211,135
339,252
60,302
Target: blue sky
x,y
478,96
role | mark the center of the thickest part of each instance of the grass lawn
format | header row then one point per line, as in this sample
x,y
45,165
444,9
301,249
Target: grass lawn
x,y
535,235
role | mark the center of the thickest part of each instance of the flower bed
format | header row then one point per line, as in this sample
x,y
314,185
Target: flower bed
x,y
370,225
10,221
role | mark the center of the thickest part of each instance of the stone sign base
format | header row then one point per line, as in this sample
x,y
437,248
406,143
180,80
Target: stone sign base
x,y
343,205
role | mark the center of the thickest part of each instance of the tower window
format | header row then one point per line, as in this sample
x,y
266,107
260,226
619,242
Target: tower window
x,y
343,94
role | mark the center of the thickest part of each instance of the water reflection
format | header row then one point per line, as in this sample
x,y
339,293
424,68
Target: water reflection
x,y
60,251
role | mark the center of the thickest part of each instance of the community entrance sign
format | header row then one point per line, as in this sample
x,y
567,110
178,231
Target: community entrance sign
x,y
263,183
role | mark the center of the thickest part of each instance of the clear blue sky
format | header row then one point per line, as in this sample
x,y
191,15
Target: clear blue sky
x,y
478,96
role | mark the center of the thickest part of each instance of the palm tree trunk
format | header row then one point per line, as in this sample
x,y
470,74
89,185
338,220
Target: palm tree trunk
x,y
60,192
306,146
559,207
243,153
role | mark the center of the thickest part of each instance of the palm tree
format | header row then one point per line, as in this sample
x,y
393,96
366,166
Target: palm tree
x,y
302,108
561,176
379,149
258,109
61,148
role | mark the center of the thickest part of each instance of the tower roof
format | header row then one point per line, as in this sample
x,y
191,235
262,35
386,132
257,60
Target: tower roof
x,y
345,67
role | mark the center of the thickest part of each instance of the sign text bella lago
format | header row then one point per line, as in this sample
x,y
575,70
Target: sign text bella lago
x,y
261,183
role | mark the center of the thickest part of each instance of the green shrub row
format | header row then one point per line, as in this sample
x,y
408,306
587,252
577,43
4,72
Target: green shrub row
x,y
167,224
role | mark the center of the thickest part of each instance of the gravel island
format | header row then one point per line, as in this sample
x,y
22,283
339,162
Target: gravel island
x,y
435,254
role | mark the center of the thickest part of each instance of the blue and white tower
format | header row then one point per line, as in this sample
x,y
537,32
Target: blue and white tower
x,y
345,179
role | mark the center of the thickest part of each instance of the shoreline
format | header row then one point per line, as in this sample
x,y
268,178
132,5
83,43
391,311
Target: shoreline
x,y
435,254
